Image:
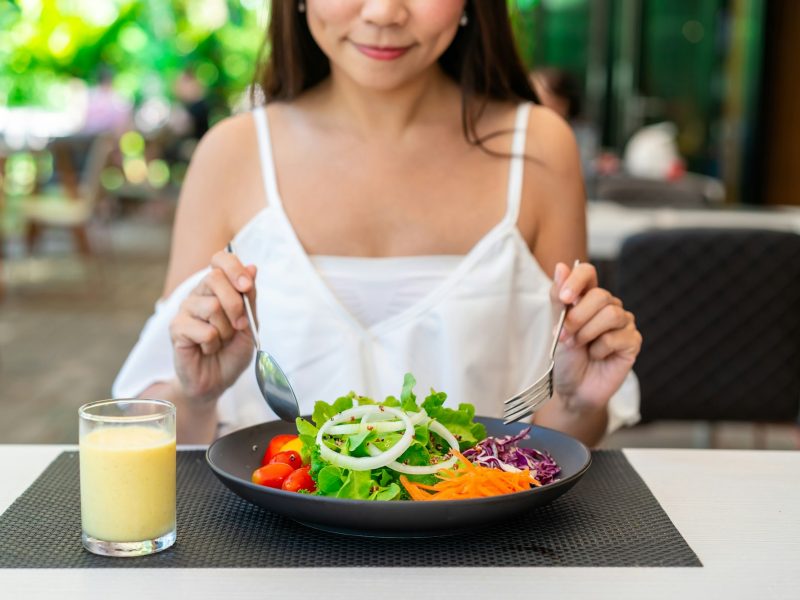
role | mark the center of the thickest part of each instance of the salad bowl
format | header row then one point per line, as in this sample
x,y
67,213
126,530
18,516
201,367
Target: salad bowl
x,y
233,458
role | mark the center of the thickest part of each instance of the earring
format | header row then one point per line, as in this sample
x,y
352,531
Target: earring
x,y
464,19
301,6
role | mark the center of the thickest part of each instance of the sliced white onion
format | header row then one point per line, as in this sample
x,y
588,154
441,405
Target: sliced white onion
x,y
437,428
444,433
354,428
366,463
414,469
381,423
416,417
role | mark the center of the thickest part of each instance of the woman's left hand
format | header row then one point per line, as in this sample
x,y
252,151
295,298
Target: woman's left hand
x,y
598,344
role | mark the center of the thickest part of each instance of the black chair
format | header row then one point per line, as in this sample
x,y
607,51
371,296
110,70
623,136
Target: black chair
x,y
719,312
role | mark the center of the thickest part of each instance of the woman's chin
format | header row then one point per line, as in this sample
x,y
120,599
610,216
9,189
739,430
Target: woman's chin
x,y
385,78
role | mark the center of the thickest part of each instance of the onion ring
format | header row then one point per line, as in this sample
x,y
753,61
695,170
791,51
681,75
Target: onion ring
x,y
438,429
366,463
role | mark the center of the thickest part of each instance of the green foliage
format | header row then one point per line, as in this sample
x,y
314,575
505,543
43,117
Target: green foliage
x,y
145,43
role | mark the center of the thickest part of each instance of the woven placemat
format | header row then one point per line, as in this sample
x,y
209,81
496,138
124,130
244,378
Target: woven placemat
x,y
609,519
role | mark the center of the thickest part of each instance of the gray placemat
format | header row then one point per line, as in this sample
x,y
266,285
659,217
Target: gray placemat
x,y
609,518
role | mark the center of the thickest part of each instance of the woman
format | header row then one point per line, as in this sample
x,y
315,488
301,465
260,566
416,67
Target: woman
x,y
397,206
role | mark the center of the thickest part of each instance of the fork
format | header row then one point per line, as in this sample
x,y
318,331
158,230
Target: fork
x,y
532,397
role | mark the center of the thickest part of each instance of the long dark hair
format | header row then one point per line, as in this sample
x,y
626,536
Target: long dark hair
x,y
482,60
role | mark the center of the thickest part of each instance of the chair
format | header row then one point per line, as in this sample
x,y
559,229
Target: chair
x,y
719,312
690,191
65,211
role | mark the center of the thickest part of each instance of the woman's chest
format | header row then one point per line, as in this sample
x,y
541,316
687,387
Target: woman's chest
x,y
374,200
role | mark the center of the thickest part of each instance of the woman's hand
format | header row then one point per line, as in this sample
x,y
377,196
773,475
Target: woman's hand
x,y
210,334
598,344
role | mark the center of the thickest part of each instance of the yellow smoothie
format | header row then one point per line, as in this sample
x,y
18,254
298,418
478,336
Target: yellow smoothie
x,y
127,483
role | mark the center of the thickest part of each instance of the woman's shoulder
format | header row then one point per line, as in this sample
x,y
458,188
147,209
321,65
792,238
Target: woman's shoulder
x,y
222,191
551,142
552,208
229,135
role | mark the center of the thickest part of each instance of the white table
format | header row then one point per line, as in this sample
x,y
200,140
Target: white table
x,y
738,510
609,223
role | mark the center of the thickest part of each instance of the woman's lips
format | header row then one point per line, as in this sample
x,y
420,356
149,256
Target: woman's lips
x,y
382,52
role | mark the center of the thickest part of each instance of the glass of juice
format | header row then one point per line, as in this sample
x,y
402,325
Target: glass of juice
x,y
127,466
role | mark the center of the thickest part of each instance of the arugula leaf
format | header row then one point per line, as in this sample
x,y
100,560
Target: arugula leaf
x,y
459,422
391,492
392,402
304,428
434,402
308,436
357,485
384,476
408,401
329,480
386,440
421,434
416,454
358,440
317,463
324,411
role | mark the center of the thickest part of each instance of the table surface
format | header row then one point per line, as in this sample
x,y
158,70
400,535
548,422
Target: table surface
x,y
609,223
738,510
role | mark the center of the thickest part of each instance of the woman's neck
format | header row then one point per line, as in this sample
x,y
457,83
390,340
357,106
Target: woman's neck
x,y
432,97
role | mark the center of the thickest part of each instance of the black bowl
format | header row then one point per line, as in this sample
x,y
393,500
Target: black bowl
x,y
235,456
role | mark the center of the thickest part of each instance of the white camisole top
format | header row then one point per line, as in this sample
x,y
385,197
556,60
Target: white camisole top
x,y
374,289
478,329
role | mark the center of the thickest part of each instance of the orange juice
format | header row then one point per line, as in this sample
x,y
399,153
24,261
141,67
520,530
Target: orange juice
x,y
127,483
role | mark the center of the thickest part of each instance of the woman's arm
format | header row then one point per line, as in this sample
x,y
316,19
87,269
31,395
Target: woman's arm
x,y
600,341
204,223
195,424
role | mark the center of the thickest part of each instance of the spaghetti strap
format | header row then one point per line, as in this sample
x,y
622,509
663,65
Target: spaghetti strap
x,y
517,167
265,154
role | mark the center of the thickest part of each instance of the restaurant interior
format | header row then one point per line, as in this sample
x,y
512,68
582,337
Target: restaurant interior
x,y
687,129
686,117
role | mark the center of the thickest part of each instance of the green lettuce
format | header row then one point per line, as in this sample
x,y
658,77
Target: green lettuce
x,y
384,483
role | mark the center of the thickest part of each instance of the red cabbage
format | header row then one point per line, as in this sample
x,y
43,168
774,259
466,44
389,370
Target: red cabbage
x,y
503,453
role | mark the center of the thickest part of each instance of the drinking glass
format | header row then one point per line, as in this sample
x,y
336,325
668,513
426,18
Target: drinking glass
x,y
127,466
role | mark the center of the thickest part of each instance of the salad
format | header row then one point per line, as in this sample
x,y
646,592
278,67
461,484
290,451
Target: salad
x,y
400,449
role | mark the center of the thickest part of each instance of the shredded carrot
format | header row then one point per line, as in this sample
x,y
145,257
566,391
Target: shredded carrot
x,y
466,480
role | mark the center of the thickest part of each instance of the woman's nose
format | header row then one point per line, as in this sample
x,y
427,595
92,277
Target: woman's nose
x,y
384,13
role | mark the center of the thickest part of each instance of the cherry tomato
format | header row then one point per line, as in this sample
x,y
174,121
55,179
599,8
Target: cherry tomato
x,y
275,445
299,480
272,475
290,458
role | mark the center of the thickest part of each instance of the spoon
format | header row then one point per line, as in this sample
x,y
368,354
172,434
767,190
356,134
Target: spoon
x,y
272,381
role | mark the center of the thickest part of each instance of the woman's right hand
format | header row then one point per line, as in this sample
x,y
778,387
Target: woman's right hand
x,y
210,334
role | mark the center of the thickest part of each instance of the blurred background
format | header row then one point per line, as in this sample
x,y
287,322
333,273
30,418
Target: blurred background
x,y
685,112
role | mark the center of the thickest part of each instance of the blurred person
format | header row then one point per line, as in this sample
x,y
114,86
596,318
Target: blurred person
x,y
106,110
399,204
192,95
560,91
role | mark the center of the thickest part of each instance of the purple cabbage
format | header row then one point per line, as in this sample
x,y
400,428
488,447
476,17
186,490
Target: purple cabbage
x,y
503,453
